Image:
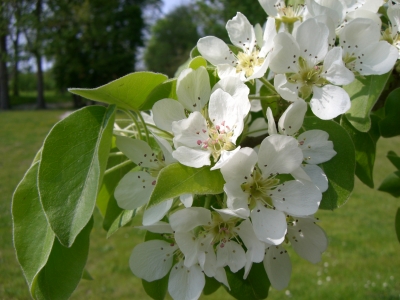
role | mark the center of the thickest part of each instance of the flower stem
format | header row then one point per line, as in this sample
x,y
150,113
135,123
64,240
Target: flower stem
x,y
121,165
263,97
134,119
207,203
268,85
146,131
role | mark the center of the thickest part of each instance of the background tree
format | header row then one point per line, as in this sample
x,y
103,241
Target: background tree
x,y
171,40
4,31
94,42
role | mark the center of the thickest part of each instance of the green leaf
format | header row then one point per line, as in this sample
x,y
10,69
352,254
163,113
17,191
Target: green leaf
x,y
73,161
364,92
390,125
397,224
340,169
129,92
240,289
166,89
394,159
365,148
33,237
86,275
272,101
124,218
391,184
258,279
64,268
176,179
156,289
212,285
197,62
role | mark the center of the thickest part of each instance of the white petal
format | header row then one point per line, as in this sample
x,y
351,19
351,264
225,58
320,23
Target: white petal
x,y
237,201
190,131
286,89
166,111
156,212
188,245
366,14
189,218
315,146
158,227
193,88
186,283
225,158
297,198
134,190
228,71
240,166
220,275
379,58
360,32
186,199
215,51
165,148
317,176
293,117
269,225
241,32
192,157
278,266
334,68
255,105
137,151
268,38
231,254
312,37
308,239
329,102
285,55
270,6
254,246
279,154
152,260
237,89
271,122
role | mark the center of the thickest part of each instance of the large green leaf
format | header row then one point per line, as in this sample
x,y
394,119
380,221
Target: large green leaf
x,y
340,169
74,158
390,125
211,286
365,147
391,184
64,268
364,92
166,89
128,92
177,179
259,280
33,237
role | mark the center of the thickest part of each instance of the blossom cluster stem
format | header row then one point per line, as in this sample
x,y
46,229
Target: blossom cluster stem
x,y
146,131
121,165
268,85
134,119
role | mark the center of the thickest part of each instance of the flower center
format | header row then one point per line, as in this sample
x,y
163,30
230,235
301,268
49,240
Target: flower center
x,y
259,188
247,62
219,140
222,231
307,76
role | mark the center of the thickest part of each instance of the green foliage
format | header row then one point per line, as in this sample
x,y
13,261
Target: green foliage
x,y
128,92
167,89
33,237
124,218
365,147
389,126
64,268
176,179
340,169
391,184
397,224
364,92
73,161
171,41
211,286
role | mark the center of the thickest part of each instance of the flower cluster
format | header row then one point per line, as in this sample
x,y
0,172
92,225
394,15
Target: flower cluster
x,y
273,182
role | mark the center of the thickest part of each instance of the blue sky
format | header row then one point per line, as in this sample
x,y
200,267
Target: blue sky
x,y
170,4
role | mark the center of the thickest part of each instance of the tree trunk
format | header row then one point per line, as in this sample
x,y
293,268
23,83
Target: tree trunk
x,y
41,104
15,86
4,97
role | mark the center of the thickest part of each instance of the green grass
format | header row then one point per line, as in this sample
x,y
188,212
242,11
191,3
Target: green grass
x,y
362,260
29,98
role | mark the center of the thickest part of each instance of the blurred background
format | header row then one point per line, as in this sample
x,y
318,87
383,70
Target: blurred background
x,y
47,46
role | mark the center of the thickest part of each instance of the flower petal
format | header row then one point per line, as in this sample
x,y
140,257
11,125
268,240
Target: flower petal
x,y
186,199
231,254
134,190
334,68
329,102
293,117
241,32
278,266
166,111
189,218
285,54
216,51
137,151
156,212
186,283
286,89
195,158
315,146
191,130
152,260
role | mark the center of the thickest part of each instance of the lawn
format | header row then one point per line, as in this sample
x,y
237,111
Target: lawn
x,y
362,260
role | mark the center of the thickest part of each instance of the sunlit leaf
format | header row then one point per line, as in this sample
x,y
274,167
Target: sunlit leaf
x,y
129,92
74,158
390,125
